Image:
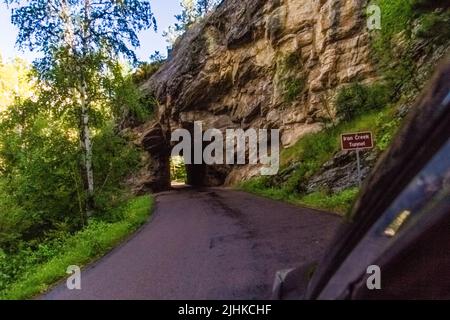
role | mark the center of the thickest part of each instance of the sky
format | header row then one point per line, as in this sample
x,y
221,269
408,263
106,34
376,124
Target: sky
x,y
164,11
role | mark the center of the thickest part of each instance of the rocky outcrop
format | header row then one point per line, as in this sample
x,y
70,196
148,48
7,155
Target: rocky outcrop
x,y
341,172
259,64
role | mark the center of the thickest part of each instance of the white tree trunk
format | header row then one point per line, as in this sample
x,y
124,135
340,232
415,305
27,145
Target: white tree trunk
x,y
87,150
86,134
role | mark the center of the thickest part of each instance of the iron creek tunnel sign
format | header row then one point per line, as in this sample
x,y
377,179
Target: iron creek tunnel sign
x,y
357,141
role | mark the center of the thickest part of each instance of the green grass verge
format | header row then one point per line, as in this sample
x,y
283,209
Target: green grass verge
x,y
339,203
98,238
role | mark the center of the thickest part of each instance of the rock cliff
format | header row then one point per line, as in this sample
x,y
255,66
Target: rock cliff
x,y
259,64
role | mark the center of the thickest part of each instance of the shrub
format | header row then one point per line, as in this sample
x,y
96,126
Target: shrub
x,y
357,99
293,88
145,71
387,128
394,46
31,271
41,190
435,25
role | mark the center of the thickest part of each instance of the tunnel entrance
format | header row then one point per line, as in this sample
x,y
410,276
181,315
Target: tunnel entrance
x,y
196,175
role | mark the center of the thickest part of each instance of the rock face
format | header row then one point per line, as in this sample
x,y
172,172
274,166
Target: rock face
x,y
341,172
257,64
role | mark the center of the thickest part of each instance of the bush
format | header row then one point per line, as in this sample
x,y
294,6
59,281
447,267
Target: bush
x,y
306,157
435,25
394,47
32,271
293,88
114,159
357,99
41,189
387,128
145,71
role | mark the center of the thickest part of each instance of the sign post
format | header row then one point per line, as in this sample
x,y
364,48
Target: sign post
x,y
358,160
357,142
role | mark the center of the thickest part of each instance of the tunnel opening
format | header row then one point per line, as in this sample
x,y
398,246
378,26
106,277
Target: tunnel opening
x,y
195,173
184,167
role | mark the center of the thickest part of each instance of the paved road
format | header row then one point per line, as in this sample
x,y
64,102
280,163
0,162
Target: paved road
x,y
207,244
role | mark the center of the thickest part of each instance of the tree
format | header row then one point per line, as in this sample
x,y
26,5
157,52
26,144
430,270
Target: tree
x,y
205,6
14,81
80,39
192,10
185,19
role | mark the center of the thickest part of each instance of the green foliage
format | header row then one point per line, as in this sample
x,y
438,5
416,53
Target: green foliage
x,y
396,16
191,12
435,25
41,177
78,90
293,88
84,26
394,46
394,61
306,157
292,82
14,220
40,160
358,99
115,158
145,71
340,202
81,43
387,125
178,169
31,272
262,186
14,81
125,99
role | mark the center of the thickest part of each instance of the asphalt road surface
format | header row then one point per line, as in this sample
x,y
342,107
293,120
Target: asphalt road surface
x,y
207,244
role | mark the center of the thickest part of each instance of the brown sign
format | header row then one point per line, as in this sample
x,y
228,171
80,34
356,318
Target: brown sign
x,y
357,141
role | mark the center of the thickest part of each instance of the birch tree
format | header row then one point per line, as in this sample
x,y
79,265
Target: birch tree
x,y
79,40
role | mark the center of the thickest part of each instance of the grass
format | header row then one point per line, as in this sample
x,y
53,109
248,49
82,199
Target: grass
x,y
359,106
339,202
315,149
311,152
98,238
